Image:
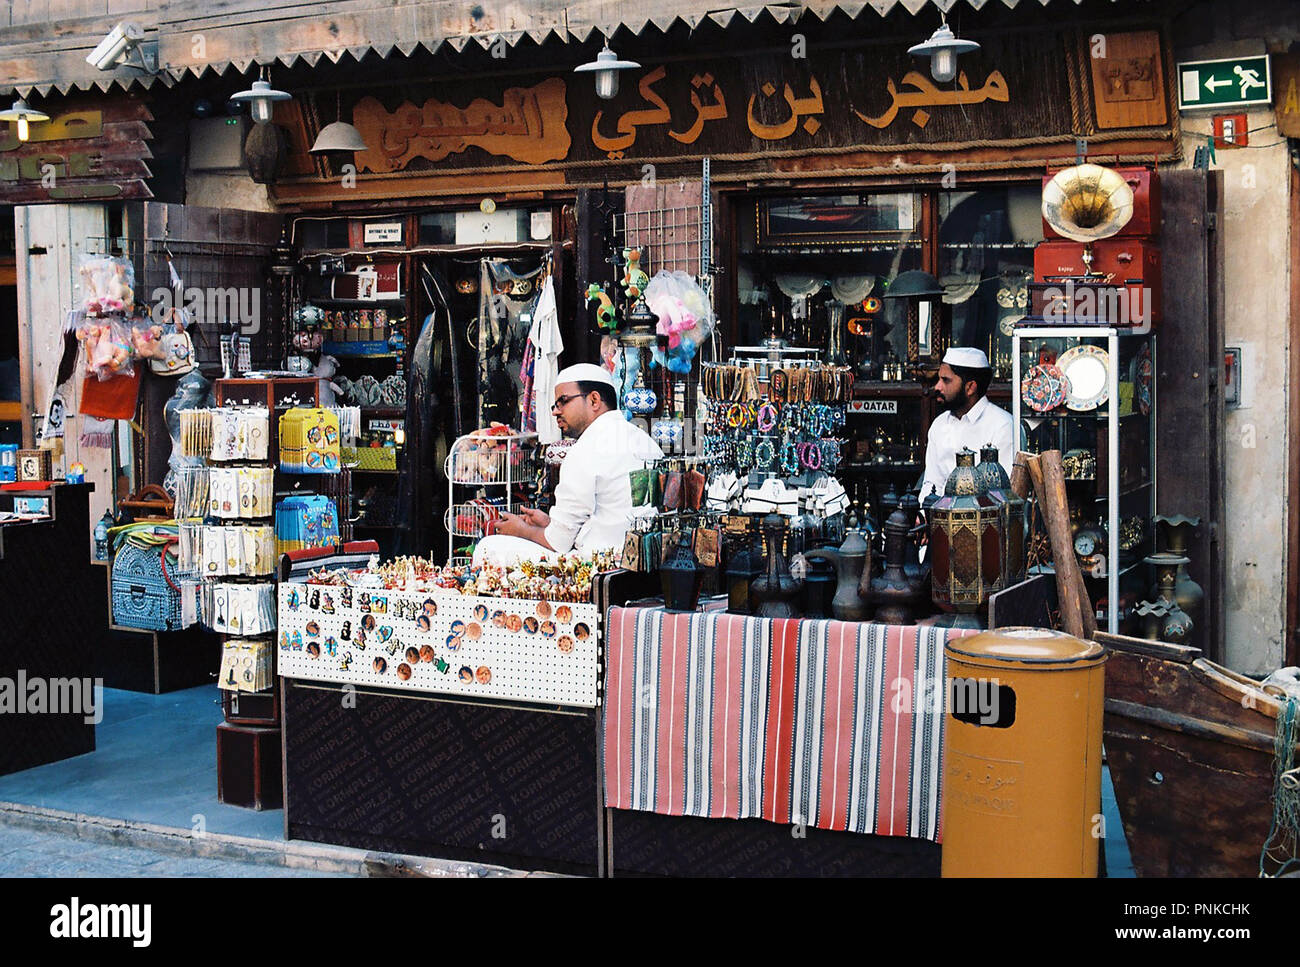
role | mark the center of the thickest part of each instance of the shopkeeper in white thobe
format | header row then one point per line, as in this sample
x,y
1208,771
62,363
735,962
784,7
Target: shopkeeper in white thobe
x,y
593,500
969,420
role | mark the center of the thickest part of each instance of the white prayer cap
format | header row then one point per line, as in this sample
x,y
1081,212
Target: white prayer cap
x,y
588,373
966,356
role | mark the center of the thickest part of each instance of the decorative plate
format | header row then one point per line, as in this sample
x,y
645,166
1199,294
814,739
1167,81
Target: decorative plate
x,y
1087,371
1140,373
1044,388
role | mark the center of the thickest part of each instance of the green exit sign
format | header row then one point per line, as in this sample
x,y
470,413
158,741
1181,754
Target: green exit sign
x,y
1233,82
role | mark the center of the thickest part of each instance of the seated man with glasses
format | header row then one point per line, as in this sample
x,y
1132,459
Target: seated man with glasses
x,y
593,500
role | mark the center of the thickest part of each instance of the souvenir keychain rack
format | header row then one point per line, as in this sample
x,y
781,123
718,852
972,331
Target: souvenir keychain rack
x,y
262,708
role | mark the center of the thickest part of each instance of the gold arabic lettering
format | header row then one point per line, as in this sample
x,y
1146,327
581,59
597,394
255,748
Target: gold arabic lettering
x,y
927,95
716,111
630,122
528,125
799,107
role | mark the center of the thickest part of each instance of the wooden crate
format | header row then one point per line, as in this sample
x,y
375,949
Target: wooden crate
x,y
248,767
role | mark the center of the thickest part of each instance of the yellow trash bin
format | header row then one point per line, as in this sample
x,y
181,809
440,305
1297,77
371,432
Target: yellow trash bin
x,y
1022,754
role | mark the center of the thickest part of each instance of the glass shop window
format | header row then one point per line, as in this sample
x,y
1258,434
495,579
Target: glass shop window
x,y
986,261
812,268
316,234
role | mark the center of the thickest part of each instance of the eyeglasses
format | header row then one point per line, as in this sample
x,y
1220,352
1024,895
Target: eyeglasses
x,y
563,401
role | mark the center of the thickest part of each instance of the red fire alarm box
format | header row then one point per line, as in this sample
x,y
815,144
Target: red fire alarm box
x,y
1230,131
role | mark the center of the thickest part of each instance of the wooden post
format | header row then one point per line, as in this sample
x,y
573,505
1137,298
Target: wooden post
x,y
1049,485
1021,483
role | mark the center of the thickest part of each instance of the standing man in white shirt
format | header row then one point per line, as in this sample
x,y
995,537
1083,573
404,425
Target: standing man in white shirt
x,y
969,421
593,500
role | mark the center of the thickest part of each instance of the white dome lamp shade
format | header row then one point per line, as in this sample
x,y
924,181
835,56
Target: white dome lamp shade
x,y
942,48
606,67
22,117
260,99
338,137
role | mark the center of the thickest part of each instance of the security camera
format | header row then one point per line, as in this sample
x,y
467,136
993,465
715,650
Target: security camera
x,y
116,47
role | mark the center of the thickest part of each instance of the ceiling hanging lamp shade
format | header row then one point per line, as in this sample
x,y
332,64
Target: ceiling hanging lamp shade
x,y
22,116
338,137
260,98
914,283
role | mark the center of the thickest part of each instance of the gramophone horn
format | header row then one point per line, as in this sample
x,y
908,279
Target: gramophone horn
x,y
1087,202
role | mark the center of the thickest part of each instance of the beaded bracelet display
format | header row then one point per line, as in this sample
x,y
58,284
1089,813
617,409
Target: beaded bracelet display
x,y
790,458
810,456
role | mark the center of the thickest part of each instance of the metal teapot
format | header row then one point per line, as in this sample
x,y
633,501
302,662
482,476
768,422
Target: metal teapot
x,y
850,560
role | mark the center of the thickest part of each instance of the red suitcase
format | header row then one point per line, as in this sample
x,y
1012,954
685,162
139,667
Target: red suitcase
x,y
1129,262
1145,222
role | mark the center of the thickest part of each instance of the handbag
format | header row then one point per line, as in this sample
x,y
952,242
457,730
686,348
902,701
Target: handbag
x,y
645,487
705,544
631,558
670,485
111,399
694,486
650,550
177,355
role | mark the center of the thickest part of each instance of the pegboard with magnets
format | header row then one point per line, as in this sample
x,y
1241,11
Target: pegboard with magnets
x,y
515,649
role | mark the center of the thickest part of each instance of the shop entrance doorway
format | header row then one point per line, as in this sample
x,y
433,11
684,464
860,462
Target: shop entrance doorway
x,y
466,368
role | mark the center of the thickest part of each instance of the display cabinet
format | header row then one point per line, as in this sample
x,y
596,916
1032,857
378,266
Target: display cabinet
x,y
1090,392
887,281
487,473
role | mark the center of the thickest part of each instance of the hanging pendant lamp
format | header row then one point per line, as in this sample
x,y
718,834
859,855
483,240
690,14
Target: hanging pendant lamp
x,y
260,97
339,136
21,116
943,49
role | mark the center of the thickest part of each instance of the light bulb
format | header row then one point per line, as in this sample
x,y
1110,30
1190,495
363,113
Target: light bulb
x,y
606,84
943,65
261,110
24,130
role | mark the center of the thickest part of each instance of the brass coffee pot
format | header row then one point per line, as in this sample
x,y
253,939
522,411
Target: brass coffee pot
x,y
850,560
776,593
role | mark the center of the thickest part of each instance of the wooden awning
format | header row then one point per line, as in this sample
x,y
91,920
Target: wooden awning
x,y
40,53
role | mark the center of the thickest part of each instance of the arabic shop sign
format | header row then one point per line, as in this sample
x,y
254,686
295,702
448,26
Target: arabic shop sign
x,y
527,125
733,108
804,111
82,153
743,107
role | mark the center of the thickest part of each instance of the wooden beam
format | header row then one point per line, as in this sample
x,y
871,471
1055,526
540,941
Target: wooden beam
x,y
1291,646
1190,725
22,243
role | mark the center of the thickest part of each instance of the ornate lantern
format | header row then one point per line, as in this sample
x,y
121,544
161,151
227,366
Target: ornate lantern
x,y
744,564
976,538
682,576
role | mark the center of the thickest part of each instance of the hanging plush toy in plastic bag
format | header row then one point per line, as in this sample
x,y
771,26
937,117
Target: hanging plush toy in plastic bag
x,y
108,347
107,285
685,318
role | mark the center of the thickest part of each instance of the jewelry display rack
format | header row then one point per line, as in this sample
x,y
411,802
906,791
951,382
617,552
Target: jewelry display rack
x,y
248,774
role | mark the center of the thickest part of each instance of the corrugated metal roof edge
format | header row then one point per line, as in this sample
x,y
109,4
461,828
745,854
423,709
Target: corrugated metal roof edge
x,y
580,32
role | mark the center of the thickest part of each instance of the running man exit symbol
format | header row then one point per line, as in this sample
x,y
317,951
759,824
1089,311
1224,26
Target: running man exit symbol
x,y
1234,82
